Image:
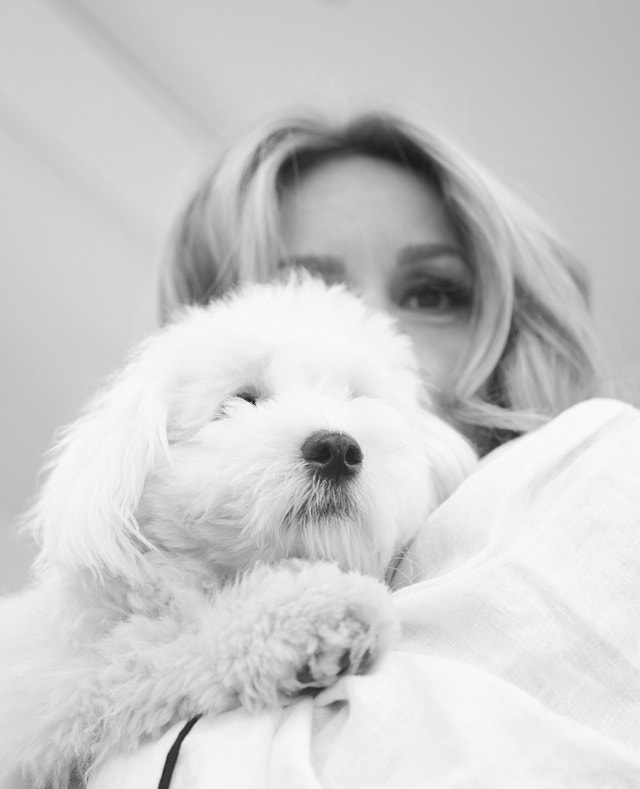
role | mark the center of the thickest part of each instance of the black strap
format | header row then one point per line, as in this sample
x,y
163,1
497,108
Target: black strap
x,y
172,756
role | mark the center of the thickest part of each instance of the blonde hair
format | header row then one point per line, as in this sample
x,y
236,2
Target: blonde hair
x,y
532,354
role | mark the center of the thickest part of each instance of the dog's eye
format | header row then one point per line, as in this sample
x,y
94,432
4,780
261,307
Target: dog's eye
x,y
227,407
248,395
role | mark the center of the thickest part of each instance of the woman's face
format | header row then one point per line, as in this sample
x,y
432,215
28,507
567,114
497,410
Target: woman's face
x,y
384,232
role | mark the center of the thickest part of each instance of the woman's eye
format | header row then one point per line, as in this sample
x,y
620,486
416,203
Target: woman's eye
x,y
436,297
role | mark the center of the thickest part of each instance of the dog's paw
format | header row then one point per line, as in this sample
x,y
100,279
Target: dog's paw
x,y
303,626
335,658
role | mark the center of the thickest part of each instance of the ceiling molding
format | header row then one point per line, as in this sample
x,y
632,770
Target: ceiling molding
x,y
139,76
77,173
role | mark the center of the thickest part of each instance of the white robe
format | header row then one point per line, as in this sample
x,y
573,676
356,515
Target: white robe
x,y
519,664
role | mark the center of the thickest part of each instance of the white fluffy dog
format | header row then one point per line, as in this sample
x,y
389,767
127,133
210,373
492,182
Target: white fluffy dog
x,y
215,529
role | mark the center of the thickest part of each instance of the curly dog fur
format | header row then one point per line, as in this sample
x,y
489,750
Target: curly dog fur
x,y
216,529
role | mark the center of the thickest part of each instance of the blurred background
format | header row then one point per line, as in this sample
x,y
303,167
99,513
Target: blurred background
x,y
106,107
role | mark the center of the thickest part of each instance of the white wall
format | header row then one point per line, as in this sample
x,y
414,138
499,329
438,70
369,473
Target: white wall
x,y
103,106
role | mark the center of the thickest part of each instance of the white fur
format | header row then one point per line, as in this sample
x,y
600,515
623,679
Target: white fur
x,y
190,561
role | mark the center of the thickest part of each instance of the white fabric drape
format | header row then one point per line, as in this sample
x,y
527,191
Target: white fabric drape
x,y
519,664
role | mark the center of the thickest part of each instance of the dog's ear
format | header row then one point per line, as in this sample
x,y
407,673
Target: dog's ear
x,y
85,516
453,457
452,460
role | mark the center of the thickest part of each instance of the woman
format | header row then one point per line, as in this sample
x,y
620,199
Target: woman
x,y
518,664
497,308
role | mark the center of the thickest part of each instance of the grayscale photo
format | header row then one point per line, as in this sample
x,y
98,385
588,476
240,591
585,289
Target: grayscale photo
x,y
321,391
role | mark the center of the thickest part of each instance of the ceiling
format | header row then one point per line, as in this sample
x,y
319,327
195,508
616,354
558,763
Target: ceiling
x,y
107,107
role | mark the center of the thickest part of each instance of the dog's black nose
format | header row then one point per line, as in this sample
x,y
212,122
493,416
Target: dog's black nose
x,y
332,455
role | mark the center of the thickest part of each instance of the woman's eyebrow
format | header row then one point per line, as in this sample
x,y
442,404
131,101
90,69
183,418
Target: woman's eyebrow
x,y
416,253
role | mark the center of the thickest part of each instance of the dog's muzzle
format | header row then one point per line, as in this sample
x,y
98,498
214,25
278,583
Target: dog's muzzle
x,y
332,456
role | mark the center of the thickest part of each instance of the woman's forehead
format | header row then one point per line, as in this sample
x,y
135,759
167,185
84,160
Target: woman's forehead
x,y
357,199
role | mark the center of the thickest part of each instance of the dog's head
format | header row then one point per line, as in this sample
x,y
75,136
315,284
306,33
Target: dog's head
x,y
285,421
